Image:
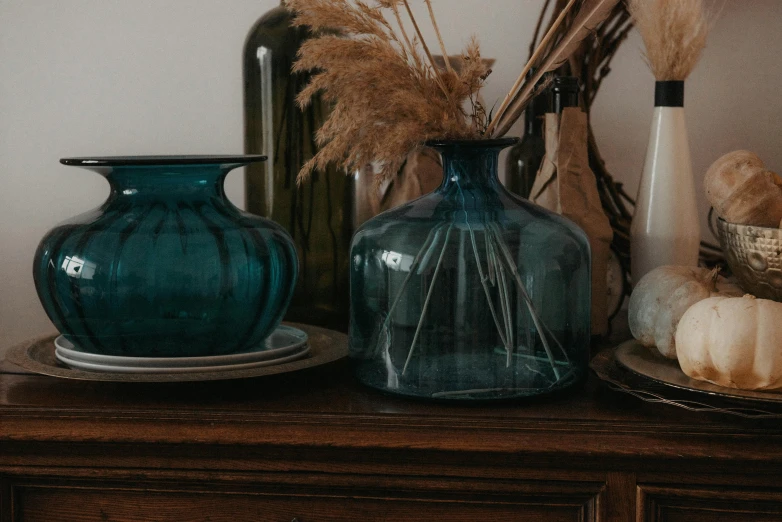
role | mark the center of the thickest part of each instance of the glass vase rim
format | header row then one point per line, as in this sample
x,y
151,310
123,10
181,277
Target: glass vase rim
x,y
481,143
233,160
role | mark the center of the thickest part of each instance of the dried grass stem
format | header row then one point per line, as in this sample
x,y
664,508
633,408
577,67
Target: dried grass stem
x,y
439,36
533,59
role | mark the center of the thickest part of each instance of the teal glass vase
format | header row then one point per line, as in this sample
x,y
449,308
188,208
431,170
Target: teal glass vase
x,y
470,292
167,266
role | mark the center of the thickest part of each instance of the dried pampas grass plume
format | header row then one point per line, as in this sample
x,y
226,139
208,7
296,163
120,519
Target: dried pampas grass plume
x,y
388,95
674,34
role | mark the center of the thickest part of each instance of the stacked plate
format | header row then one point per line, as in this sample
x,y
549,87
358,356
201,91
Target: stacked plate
x,y
284,345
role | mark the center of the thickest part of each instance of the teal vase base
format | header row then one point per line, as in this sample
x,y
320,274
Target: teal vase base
x,y
167,266
445,390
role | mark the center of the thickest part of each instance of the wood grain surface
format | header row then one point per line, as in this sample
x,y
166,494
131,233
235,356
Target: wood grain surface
x,y
317,446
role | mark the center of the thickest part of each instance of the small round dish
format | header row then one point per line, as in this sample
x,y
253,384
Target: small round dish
x,y
635,357
38,356
106,368
284,341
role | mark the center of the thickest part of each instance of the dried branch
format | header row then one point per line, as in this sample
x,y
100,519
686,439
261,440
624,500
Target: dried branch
x,y
439,36
426,47
538,25
520,80
592,13
410,47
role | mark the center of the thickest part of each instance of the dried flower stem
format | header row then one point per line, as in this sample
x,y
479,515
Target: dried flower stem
x,y
539,325
533,59
420,35
439,36
428,297
538,26
431,239
484,278
492,236
589,16
498,259
433,64
406,38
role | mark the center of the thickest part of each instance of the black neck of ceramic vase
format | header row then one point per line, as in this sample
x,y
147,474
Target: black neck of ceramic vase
x,y
669,93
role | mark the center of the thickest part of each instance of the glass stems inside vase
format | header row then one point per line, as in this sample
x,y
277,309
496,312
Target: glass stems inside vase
x,y
500,268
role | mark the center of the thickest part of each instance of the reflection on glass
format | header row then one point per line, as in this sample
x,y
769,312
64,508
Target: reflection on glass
x,y
78,268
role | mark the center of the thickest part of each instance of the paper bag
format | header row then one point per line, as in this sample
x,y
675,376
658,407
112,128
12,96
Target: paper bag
x,y
421,174
565,184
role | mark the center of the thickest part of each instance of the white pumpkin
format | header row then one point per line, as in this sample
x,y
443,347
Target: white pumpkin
x,y
663,295
732,341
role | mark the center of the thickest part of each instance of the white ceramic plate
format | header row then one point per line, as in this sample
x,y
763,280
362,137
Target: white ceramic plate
x,y
285,341
97,367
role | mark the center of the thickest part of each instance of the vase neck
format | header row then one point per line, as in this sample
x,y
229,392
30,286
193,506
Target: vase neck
x,y
470,166
192,182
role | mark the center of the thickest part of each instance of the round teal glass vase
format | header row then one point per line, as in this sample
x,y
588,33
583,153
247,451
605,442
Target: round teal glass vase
x,y
167,266
470,292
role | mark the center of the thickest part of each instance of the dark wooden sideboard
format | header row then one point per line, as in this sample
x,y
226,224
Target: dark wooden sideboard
x,y
316,446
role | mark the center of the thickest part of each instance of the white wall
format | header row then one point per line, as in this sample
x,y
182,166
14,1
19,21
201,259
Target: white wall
x,y
89,77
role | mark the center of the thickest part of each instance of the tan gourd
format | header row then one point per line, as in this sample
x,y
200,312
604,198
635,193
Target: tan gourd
x,y
732,341
742,191
663,295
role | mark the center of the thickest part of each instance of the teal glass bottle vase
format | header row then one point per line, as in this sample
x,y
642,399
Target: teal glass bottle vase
x,y
470,293
167,266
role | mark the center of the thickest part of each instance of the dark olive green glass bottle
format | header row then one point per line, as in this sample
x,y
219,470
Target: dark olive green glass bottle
x,y
318,214
523,160
564,93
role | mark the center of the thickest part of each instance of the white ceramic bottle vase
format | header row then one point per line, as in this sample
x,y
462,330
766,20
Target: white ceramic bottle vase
x,y
665,228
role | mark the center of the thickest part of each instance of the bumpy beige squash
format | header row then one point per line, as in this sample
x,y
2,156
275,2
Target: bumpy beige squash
x,y
742,191
732,341
663,295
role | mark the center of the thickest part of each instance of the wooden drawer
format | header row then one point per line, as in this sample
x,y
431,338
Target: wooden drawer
x,y
555,502
710,504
